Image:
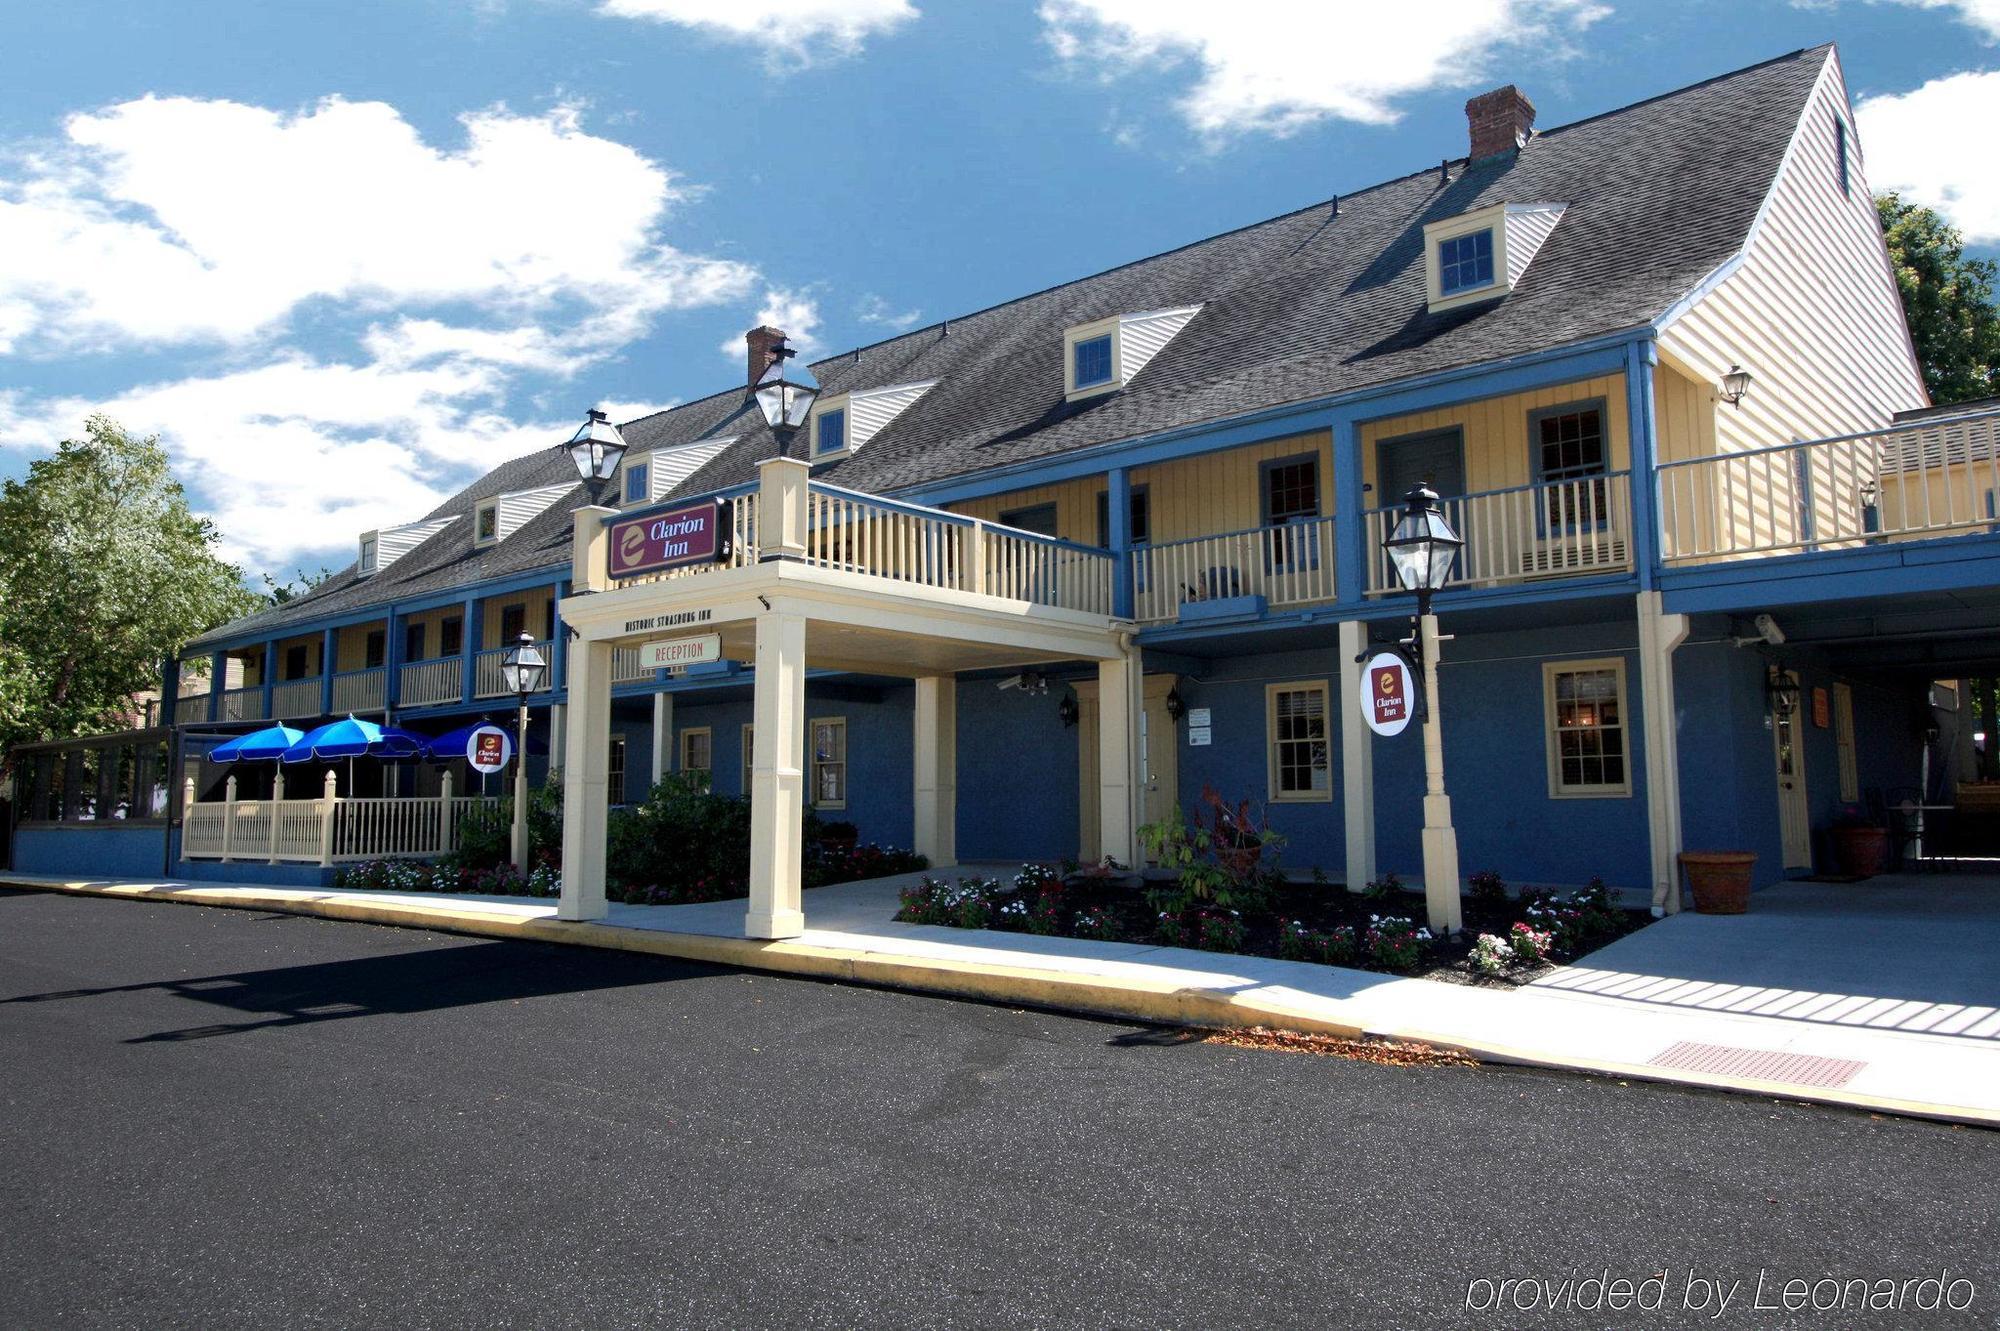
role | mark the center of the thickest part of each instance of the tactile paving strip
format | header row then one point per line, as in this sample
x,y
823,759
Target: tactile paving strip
x,y
1762,1064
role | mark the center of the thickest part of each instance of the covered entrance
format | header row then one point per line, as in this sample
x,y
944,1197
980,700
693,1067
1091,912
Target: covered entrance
x,y
830,579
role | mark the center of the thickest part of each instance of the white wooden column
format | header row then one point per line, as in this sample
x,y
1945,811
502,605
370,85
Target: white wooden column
x,y
1357,760
586,782
777,777
936,832
1659,634
1118,693
663,735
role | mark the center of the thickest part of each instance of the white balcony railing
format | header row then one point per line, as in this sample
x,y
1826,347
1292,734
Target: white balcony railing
x,y
1553,529
295,698
328,830
1288,565
427,683
1936,478
359,691
490,681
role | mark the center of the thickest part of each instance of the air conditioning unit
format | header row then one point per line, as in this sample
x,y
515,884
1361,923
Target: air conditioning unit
x,y
1573,554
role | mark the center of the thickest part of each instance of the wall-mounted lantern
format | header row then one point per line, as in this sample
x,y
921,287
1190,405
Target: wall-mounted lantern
x,y
1734,385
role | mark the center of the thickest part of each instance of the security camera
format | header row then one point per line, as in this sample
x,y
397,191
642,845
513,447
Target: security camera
x,y
1028,681
1767,633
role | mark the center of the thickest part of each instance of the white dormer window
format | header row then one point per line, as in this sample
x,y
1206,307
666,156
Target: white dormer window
x,y
368,548
1482,254
486,523
1106,355
638,481
842,425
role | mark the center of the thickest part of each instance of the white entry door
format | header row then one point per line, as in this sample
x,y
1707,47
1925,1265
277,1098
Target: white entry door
x,y
1794,818
1159,766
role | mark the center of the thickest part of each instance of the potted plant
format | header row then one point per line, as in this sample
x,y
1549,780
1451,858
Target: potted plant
x,y
1719,879
1860,843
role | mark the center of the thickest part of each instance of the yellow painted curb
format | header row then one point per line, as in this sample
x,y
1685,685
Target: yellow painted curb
x,y
1133,999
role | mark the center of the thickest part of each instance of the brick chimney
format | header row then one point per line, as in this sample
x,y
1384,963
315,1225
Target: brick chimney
x,y
1500,121
763,342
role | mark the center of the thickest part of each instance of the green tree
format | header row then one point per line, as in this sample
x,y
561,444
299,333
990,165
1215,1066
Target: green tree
x,y
104,573
301,583
1948,299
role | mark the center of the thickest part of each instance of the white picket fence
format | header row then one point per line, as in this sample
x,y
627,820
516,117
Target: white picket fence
x,y
328,830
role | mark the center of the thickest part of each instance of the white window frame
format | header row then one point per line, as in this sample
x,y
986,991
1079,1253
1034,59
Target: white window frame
x,y
1271,692
371,553
486,506
1086,333
817,763
642,471
1843,743
1551,743
826,408
681,750
749,754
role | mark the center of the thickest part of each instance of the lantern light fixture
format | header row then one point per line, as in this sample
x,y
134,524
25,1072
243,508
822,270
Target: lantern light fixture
x,y
1423,548
596,448
1176,708
1783,691
785,394
1735,385
523,667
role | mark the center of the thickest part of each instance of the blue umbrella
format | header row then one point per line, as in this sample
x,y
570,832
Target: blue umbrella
x,y
266,745
352,738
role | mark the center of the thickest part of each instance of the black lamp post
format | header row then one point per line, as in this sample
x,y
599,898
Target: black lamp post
x,y
1423,549
525,671
596,448
785,394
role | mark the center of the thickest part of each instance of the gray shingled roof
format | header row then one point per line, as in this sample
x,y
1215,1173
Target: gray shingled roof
x,y
1307,305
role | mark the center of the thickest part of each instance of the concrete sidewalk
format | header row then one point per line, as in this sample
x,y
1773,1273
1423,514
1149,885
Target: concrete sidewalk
x,y
1942,1073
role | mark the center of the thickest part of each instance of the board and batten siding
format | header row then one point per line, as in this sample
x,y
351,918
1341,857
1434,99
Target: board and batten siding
x,y
1204,495
1812,310
1498,452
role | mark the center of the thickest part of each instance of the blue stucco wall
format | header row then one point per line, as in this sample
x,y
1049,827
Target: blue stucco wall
x,y
1017,775
1729,793
91,850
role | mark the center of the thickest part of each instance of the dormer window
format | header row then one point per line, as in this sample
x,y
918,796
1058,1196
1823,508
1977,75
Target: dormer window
x,y
1092,356
486,524
1465,263
830,432
1106,355
368,548
844,423
637,480
1481,255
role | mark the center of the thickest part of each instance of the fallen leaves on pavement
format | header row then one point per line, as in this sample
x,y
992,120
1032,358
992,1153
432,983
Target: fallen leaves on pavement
x,y
1389,1053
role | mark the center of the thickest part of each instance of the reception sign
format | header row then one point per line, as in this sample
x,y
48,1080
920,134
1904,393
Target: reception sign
x,y
488,749
1388,693
672,653
676,538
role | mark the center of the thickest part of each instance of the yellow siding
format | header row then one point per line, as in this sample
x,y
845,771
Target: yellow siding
x,y
1197,496
1684,415
1497,453
1812,311
536,621
350,651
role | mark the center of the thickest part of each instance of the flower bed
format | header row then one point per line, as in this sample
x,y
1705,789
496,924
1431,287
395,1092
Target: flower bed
x,y
1380,929
1222,891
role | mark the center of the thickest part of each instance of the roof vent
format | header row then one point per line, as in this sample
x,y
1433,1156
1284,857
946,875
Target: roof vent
x,y
1500,121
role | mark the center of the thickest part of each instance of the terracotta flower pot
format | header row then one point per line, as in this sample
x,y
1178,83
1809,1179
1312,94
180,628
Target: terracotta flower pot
x,y
1861,850
1719,879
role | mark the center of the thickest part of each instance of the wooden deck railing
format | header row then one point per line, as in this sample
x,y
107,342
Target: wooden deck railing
x,y
490,681
328,830
1525,533
359,691
1936,478
295,698
1287,565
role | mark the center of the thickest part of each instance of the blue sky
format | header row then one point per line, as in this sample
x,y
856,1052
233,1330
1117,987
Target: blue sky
x,y
343,255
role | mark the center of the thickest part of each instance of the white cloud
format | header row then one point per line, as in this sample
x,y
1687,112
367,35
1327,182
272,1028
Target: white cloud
x,y
297,456
169,220
1981,14
444,286
793,313
792,32
872,309
621,412
1931,145
1279,68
